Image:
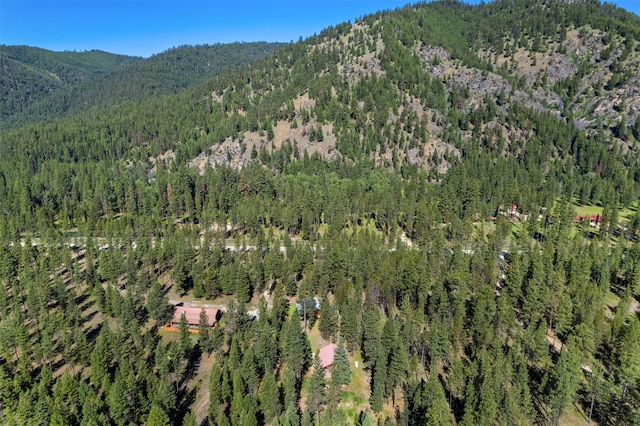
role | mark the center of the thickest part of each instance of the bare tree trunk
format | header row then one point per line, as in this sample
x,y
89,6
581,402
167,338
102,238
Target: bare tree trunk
x,y
593,400
304,313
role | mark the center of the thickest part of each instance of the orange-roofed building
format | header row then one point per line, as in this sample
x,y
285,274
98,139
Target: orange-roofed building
x,y
594,220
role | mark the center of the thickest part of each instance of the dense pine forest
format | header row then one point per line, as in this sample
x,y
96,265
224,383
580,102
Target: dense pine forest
x,y
448,193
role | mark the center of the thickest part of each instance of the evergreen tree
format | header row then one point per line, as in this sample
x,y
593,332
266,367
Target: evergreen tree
x,y
94,411
181,268
290,388
341,370
564,316
398,367
184,343
438,412
101,357
563,380
378,381
628,355
204,333
119,399
243,287
317,389
350,323
189,420
389,338
488,404
215,391
157,417
269,397
158,304
328,320
291,416
371,335
365,419
235,356
296,350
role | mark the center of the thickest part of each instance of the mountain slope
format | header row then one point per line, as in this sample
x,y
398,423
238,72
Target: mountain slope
x,y
423,88
31,74
132,80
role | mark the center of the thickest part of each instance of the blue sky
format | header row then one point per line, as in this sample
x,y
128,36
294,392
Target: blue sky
x,y
145,27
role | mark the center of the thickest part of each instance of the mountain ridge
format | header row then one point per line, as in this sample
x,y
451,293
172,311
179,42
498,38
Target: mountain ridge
x,y
420,88
131,79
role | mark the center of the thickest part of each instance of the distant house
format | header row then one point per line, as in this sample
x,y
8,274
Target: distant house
x,y
192,315
594,220
311,305
326,355
512,211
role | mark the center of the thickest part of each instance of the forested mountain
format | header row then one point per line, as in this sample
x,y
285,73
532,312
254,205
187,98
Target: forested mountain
x,y
458,187
30,74
40,84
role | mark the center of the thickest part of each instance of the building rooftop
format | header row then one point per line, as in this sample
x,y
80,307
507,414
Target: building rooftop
x,y
326,355
192,314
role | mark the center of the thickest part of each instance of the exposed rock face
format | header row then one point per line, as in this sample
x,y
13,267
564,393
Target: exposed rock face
x,y
567,75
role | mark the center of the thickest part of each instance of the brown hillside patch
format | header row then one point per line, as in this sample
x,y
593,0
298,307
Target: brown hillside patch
x,y
282,132
303,101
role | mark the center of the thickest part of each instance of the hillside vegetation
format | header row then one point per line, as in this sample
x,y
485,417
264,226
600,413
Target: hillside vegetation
x,y
41,84
457,185
31,74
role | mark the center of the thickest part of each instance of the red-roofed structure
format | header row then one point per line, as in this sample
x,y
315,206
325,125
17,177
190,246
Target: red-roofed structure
x,y
594,220
326,355
192,314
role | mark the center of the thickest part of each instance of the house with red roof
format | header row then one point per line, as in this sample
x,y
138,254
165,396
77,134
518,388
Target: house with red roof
x,y
326,355
192,315
594,220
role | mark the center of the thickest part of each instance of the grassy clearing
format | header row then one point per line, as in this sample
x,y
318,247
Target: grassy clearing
x,y
169,336
315,339
574,416
611,299
627,213
624,214
588,210
351,403
484,228
355,396
359,377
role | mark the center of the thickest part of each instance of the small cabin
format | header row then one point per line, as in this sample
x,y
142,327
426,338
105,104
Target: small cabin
x,y
594,220
326,356
512,211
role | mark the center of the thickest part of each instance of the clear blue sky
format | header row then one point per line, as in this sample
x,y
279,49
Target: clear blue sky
x,y
145,27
